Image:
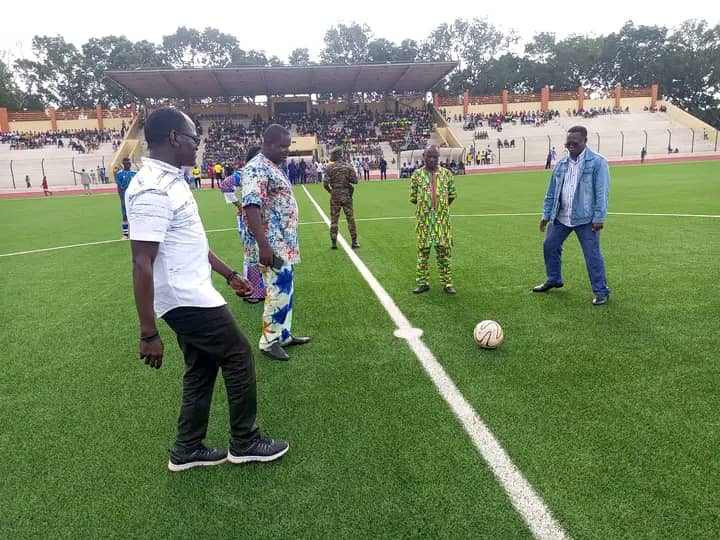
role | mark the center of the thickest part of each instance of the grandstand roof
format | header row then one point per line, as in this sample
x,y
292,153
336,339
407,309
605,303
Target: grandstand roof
x,y
256,81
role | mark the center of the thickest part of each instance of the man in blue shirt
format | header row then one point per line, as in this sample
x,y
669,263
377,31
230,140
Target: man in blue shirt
x,y
122,179
576,201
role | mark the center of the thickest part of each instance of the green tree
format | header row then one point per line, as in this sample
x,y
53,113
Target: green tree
x,y
346,44
299,57
56,75
188,48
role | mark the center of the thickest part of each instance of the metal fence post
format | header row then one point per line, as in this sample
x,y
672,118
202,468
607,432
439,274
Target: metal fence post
x,y
524,150
12,174
692,143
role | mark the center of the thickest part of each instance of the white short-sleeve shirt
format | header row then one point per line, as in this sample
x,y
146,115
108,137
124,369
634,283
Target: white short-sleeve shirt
x,y
161,208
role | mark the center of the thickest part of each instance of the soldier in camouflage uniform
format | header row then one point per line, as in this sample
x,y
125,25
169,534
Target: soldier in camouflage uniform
x,y
432,191
339,179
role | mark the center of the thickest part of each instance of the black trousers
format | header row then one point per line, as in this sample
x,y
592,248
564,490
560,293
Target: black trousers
x,y
211,340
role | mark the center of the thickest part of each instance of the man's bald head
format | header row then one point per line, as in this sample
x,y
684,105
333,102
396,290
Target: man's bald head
x,y
276,143
274,132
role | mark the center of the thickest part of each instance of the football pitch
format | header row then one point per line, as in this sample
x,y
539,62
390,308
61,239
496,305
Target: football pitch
x,y
610,413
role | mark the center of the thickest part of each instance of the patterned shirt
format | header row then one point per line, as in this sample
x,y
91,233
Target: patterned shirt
x,y
265,185
432,196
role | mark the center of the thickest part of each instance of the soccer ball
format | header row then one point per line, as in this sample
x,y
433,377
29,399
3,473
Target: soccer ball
x,y
488,334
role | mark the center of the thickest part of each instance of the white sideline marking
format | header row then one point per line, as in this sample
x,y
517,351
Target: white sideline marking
x,y
59,247
390,218
522,495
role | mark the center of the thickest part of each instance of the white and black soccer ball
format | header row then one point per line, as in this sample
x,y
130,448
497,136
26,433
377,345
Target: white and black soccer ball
x,y
488,334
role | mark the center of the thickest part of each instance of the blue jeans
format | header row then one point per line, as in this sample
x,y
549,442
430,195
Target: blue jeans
x,y
590,243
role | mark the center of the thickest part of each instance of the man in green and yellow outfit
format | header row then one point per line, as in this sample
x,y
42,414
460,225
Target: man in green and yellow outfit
x,y
432,190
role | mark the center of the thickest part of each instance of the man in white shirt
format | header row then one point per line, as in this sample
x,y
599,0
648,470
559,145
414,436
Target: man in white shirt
x,y
172,265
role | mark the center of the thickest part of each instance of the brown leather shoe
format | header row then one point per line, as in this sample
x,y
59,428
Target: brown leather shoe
x,y
276,352
421,289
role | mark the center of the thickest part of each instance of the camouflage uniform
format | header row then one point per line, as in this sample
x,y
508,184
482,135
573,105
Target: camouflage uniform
x,y
433,221
339,180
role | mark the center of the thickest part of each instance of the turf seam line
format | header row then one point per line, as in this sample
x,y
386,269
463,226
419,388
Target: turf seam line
x,y
522,495
387,218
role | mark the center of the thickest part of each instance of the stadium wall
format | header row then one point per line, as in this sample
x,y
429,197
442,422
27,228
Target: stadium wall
x,y
330,107
685,118
303,144
38,125
451,110
564,105
76,124
520,107
248,109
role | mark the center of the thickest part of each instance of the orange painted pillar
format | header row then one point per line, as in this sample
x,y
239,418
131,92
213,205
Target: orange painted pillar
x,y
4,120
618,94
505,95
53,118
99,110
581,98
544,98
466,102
436,100
653,95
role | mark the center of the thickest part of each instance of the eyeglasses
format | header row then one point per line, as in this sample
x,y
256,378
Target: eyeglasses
x,y
195,138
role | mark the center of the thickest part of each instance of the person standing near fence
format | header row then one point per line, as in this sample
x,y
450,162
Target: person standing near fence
x,y
123,178
84,180
46,190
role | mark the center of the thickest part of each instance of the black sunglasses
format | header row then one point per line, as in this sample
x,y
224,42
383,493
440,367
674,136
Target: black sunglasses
x,y
193,137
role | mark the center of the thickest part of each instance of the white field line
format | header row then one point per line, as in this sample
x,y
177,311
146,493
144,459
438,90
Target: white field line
x,y
389,218
522,495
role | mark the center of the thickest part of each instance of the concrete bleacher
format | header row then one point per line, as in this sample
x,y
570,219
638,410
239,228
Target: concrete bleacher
x,y
55,163
616,136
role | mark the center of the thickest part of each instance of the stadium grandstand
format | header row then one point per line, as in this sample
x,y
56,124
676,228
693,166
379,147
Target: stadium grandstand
x,y
377,113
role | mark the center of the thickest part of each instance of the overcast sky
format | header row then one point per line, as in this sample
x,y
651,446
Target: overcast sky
x,y
280,26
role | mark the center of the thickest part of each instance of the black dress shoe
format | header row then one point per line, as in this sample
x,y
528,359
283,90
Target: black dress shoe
x,y
276,352
297,341
450,290
545,287
421,289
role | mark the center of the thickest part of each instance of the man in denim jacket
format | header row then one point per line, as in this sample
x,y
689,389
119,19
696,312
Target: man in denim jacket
x,y
576,200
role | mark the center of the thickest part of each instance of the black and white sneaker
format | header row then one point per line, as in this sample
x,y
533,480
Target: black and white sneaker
x,y
202,456
261,449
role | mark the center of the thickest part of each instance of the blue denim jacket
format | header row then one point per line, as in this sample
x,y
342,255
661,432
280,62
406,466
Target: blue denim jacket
x,y
591,196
